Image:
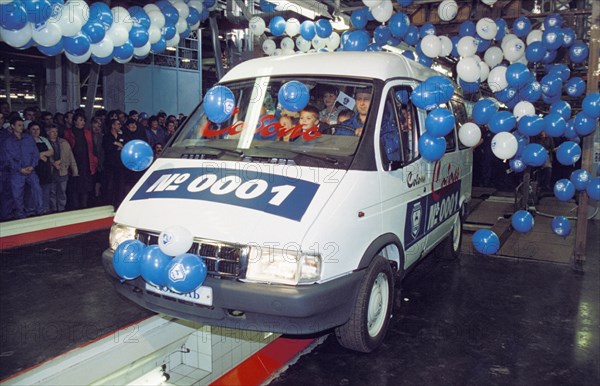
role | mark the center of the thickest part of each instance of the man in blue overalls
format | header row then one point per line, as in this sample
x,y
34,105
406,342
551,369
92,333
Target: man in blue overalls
x,y
21,157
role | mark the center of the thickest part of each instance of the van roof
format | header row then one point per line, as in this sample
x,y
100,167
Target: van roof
x,y
378,65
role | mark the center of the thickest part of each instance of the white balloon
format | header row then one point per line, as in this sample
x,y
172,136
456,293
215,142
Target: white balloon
x,y
79,8
431,46
468,69
484,70
489,2
154,34
123,61
371,3
383,11
118,33
81,58
278,52
292,27
302,44
334,41
497,79
103,48
257,25
143,50
47,35
156,18
70,23
269,47
466,46
446,45
514,50
195,26
534,35
504,145
17,38
196,4
523,108
175,240
469,134
182,8
287,44
151,8
486,28
319,43
447,10
181,25
287,51
507,38
493,56
121,16
174,41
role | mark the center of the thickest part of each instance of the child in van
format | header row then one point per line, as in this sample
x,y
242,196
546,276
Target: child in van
x,y
343,121
309,118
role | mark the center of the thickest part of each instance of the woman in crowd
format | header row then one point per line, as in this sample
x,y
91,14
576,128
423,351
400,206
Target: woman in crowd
x,y
44,168
64,161
80,139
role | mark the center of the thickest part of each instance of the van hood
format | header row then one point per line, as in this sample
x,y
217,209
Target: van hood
x,y
227,201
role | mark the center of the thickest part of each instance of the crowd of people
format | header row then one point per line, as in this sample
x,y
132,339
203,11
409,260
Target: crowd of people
x,y
55,162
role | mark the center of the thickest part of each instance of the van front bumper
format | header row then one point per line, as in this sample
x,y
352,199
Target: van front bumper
x,y
294,310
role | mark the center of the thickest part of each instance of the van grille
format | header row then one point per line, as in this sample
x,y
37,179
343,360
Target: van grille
x,y
221,259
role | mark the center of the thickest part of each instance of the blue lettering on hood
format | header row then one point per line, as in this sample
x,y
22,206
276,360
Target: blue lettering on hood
x,y
278,195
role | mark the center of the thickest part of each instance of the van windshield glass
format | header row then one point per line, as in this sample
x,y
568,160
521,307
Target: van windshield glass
x,y
300,119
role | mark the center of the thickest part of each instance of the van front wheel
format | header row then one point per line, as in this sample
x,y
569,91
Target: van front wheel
x,y
371,315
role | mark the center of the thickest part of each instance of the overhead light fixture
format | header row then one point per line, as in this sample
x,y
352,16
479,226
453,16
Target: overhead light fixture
x,y
171,49
31,76
339,24
11,68
307,8
536,8
185,60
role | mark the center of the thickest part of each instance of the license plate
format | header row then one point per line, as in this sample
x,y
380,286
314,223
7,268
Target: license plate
x,y
202,295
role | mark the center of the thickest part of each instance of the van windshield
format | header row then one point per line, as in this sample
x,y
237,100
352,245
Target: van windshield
x,y
299,120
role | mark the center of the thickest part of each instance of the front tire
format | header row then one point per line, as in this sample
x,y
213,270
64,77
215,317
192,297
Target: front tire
x,y
372,312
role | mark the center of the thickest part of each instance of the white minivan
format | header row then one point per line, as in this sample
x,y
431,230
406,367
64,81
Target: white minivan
x,y
303,229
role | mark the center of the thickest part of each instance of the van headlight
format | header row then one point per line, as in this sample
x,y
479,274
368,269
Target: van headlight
x,y
120,233
283,266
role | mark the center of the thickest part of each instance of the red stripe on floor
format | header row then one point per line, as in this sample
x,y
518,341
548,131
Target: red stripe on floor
x,y
53,233
264,363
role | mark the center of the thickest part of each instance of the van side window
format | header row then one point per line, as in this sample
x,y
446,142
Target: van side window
x,y
460,115
389,134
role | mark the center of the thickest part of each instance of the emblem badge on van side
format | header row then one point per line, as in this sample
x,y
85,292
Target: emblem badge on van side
x,y
416,219
177,272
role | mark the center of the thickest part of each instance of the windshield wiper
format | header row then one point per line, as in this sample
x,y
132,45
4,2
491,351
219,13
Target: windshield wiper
x,y
220,149
326,158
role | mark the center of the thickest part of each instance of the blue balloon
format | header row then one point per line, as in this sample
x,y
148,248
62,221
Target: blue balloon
x,y
193,17
382,35
424,59
432,148
551,84
323,28
13,16
357,41
294,96
483,111
405,3
427,97
139,36
77,45
427,29
307,30
154,265
522,141
38,11
94,30
568,153
531,92
554,20
549,56
185,33
502,27
534,154
454,52
530,125
137,155
580,179
439,122
469,87
168,32
564,189
412,35
535,52
486,241
399,23
185,273
502,121
562,70
359,18
219,103
159,47
123,52
171,13
482,44
522,221
593,188
584,124
266,6
52,50
550,99
554,125
591,105
570,132
517,165
518,75
561,226
575,86
467,28
373,47
127,259
277,26
101,12
579,52
568,37
561,108
409,54
102,61
506,94
521,26
442,84
140,17
552,38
